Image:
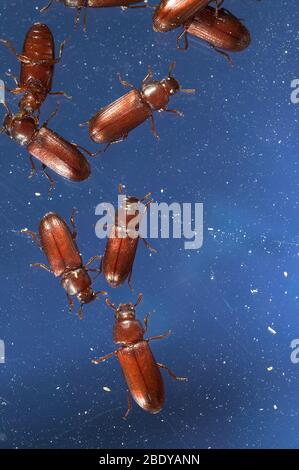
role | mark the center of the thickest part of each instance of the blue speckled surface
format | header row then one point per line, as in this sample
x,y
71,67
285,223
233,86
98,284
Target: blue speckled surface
x,y
236,150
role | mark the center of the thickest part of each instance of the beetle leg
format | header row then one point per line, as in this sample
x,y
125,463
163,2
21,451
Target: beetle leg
x,y
218,5
73,224
92,259
184,35
61,47
125,416
43,9
61,93
33,169
124,82
77,18
225,54
145,321
129,280
133,6
50,179
104,358
9,46
85,20
148,77
80,312
33,235
153,127
111,305
175,377
14,78
70,302
175,111
53,114
42,266
165,335
149,246
87,151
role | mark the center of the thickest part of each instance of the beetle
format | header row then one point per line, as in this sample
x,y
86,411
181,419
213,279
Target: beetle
x,y
224,31
140,369
48,147
37,67
118,259
59,245
171,14
80,5
113,123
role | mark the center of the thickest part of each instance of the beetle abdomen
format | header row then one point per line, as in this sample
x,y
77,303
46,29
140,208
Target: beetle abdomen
x,y
118,259
117,119
59,155
38,45
58,244
143,376
224,31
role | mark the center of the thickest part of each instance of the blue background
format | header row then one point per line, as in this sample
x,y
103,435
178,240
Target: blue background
x,y
235,150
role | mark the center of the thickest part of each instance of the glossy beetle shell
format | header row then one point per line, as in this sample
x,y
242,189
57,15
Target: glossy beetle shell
x,y
116,120
58,244
224,31
171,14
142,375
120,251
59,155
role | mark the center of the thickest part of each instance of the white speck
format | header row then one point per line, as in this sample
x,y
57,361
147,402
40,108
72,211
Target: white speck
x,y
37,194
270,368
254,291
285,274
275,407
161,190
270,329
107,389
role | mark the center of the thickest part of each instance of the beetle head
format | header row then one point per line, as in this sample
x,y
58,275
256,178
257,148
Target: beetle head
x,y
20,128
86,296
124,311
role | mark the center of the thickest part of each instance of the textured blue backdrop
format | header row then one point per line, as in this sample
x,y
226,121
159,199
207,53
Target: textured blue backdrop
x,y
236,150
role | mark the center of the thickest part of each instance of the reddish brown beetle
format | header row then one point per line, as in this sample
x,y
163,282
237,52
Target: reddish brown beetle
x,y
59,246
221,31
37,67
84,4
113,123
141,371
48,147
118,260
171,14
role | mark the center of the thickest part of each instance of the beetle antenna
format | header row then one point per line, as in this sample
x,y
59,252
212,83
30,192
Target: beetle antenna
x,y
140,297
7,108
111,305
42,10
146,197
187,90
100,292
171,68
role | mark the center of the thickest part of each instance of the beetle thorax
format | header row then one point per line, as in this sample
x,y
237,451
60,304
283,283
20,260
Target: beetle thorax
x,y
155,95
127,332
77,282
20,128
